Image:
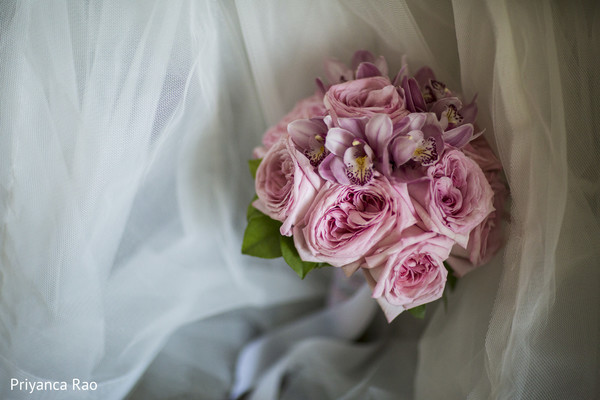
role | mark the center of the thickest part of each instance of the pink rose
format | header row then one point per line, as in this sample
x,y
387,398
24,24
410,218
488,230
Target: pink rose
x,y
456,197
480,151
408,269
486,239
307,108
344,223
286,184
365,98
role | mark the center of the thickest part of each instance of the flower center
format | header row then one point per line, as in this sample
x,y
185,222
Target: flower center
x,y
317,152
454,118
360,171
426,153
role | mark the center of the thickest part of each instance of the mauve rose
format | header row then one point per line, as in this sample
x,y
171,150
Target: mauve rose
x,y
345,222
480,151
486,238
456,197
408,269
286,184
307,108
365,98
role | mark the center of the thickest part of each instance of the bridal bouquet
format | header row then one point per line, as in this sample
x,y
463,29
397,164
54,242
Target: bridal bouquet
x,y
378,174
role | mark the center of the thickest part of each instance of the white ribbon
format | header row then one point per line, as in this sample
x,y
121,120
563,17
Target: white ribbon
x,y
345,320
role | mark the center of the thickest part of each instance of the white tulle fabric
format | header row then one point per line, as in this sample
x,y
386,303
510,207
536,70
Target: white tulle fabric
x,y
124,133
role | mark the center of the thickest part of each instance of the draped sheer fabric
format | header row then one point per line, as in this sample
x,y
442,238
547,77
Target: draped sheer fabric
x,y
124,133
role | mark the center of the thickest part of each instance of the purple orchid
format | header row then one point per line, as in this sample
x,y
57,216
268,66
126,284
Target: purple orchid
x,y
419,141
367,65
412,95
358,148
309,137
440,100
364,65
417,138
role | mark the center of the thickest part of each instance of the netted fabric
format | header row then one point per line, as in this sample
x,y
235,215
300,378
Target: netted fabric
x,y
124,133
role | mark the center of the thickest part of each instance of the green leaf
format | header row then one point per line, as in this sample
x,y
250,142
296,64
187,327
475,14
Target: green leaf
x,y
291,257
252,212
418,312
261,238
253,165
451,279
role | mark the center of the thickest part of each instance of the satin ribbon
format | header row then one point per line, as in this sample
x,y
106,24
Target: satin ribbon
x,y
265,358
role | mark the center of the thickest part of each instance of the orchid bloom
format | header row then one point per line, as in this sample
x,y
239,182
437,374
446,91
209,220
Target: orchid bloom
x,y
309,137
364,65
418,137
358,148
441,101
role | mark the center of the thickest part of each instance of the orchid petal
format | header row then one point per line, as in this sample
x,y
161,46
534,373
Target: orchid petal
x,y
402,126
400,75
321,86
302,130
426,152
433,130
381,65
424,75
416,96
332,168
361,56
417,120
402,149
338,140
411,172
367,70
469,112
359,165
316,151
325,168
410,106
460,136
329,122
441,105
379,132
336,71
356,126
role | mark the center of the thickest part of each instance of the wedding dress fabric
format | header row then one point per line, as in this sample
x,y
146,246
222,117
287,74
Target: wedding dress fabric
x,y
124,133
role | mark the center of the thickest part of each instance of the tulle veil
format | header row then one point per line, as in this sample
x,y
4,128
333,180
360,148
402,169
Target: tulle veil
x,y
124,133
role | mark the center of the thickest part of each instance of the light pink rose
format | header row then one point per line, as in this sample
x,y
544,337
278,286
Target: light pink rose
x,y
455,198
307,108
286,184
344,223
365,98
480,151
408,269
486,239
